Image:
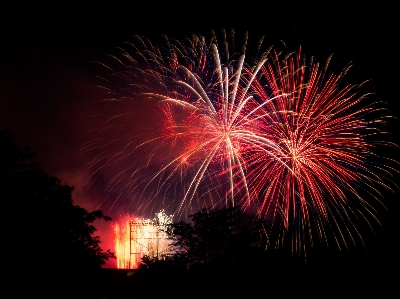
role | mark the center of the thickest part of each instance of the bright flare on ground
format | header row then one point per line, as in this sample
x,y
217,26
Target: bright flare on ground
x,y
135,237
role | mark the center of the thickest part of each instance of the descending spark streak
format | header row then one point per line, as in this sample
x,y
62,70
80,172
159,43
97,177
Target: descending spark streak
x,y
280,137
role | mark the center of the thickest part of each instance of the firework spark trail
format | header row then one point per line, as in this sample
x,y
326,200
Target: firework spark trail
x,y
280,136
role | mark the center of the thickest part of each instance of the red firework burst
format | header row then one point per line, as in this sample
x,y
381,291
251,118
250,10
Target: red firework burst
x,y
281,137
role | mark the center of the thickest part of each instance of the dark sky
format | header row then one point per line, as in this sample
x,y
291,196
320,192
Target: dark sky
x,y
47,53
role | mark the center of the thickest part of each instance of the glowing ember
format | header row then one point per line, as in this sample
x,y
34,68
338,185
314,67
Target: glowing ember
x,y
135,237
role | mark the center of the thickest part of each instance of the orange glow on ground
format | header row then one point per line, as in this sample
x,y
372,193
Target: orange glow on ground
x,y
135,237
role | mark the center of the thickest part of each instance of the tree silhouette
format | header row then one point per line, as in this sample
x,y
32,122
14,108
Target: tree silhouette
x,y
216,237
220,252
46,235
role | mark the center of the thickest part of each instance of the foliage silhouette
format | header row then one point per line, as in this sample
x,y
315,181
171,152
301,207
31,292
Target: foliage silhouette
x,y
220,251
216,240
225,252
46,233
216,237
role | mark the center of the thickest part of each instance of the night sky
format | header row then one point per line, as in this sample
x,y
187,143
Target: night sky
x,y
47,54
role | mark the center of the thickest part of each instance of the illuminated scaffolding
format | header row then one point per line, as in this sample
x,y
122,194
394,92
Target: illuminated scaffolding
x,y
139,237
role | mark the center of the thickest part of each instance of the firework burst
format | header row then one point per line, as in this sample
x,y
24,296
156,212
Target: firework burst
x,y
277,135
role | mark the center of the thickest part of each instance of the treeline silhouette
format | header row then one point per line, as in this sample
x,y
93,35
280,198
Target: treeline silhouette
x,y
224,252
50,243
51,250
